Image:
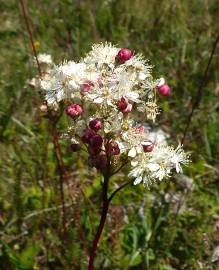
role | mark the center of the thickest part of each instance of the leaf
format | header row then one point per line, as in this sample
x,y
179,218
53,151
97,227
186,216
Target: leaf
x,y
136,259
28,255
14,259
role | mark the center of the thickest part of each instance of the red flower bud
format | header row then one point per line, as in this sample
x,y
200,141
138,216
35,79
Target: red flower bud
x,y
87,135
164,90
96,141
74,110
124,55
148,147
95,124
122,103
128,109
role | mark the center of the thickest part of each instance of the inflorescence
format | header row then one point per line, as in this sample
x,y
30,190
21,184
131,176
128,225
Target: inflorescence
x,y
108,95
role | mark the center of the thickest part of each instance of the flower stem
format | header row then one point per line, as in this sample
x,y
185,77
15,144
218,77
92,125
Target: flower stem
x,y
197,98
105,207
27,22
57,148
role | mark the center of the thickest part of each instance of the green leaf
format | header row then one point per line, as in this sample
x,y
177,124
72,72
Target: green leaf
x,y
28,255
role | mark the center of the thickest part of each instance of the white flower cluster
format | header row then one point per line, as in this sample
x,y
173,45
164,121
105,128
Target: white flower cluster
x,y
157,164
108,94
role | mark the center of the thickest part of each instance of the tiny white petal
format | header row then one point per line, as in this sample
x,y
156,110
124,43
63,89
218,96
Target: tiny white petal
x,y
153,167
161,81
132,152
138,180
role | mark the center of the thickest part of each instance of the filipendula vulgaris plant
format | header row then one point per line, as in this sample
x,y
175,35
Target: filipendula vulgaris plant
x,y
108,96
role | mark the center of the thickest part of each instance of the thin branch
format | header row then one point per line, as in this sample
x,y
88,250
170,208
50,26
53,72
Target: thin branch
x,y
118,189
58,154
105,207
200,90
26,18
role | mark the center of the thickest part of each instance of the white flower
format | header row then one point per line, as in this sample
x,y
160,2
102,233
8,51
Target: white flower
x,y
157,164
132,140
64,81
179,157
158,136
103,53
44,58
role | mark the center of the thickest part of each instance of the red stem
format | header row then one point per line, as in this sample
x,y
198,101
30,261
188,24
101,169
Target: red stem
x,y
25,15
58,153
105,208
200,91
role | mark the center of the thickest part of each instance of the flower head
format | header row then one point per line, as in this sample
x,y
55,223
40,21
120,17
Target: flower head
x,y
111,93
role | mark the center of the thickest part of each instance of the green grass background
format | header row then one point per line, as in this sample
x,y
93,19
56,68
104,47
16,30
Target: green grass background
x,y
144,231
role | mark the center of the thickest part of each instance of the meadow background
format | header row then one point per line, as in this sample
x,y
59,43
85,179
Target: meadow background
x,y
175,225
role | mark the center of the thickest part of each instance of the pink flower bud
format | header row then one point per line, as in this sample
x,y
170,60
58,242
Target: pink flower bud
x,y
140,130
113,149
86,87
96,141
122,103
148,147
164,90
74,147
87,135
74,110
95,124
128,109
124,55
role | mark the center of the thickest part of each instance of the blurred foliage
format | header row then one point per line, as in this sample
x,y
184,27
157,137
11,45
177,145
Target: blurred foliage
x,y
173,225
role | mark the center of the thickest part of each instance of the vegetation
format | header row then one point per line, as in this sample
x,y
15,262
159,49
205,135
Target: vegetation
x,y
175,224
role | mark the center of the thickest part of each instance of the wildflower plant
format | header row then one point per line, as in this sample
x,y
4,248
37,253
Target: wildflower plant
x,y
109,96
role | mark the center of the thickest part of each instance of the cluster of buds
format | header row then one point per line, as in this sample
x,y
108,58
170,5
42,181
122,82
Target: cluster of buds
x,y
105,91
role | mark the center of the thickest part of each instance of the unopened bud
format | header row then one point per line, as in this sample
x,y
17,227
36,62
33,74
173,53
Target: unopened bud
x,y
124,55
164,90
148,146
87,135
96,141
74,110
95,124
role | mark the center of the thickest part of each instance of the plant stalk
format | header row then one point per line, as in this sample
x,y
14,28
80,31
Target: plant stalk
x,y
105,207
197,99
63,177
